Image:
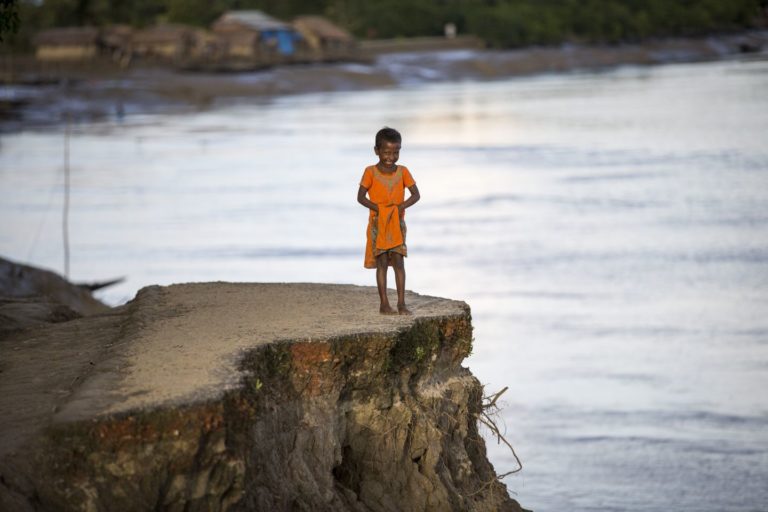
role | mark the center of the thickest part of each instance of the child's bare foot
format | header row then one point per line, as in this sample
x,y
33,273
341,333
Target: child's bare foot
x,y
386,309
402,310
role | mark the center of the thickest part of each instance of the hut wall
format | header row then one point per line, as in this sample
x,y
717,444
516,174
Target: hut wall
x,y
66,52
244,51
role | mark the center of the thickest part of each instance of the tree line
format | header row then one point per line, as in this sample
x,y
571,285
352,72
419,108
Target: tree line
x,y
501,23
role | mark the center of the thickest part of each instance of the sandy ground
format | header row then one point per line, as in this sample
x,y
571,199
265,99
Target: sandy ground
x,y
174,344
38,96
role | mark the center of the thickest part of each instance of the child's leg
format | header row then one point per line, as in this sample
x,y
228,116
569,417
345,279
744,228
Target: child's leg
x,y
382,262
399,265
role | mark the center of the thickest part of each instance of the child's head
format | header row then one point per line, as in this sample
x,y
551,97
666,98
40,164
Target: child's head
x,y
387,134
387,148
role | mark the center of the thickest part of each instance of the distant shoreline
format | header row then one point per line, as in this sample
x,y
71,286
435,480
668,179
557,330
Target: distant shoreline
x,y
86,95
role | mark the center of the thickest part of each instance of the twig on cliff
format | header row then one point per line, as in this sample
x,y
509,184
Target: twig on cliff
x,y
487,485
495,431
489,409
495,397
485,417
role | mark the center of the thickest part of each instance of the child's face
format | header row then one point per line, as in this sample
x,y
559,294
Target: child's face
x,y
388,153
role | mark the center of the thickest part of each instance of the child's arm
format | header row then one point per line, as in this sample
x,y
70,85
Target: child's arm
x,y
365,201
415,196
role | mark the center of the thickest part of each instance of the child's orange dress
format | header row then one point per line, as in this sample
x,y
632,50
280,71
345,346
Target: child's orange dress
x,y
386,229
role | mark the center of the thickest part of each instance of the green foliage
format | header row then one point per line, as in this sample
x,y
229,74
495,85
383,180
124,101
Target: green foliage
x,y
66,13
502,23
510,23
194,12
138,13
255,384
282,9
516,24
9,18
393,18
415,346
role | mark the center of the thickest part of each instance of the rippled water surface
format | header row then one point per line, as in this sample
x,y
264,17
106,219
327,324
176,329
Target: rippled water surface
x,y
610,232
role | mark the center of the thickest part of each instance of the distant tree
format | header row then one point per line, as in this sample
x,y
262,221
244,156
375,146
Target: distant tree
x,y
138,13
9,18
399,18
507,23
195,12
281,9
502,23
62,13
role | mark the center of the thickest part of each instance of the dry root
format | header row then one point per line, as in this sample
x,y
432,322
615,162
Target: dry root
x,y
486,417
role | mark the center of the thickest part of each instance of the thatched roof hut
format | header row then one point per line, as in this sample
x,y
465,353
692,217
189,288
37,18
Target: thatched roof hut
x,y
249,20
167,41
67,43
117,36
275,38
324,39
239,44
322,29
116,42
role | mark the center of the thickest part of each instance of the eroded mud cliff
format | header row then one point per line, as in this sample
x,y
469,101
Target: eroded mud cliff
x,y
222,396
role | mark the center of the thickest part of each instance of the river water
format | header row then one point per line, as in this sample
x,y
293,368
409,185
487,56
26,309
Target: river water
x,y
609,231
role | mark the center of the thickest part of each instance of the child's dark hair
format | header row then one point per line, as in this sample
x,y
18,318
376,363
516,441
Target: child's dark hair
x,y
389,135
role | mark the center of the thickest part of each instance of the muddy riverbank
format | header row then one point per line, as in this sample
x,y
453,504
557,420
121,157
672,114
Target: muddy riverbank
x,y
36,99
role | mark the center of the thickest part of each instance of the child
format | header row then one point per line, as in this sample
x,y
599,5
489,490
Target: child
x,y
385,184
